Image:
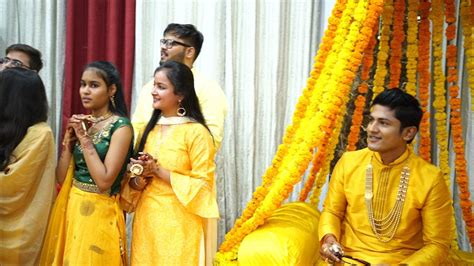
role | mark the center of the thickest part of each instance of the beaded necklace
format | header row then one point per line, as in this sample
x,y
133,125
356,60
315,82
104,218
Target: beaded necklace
x,y
384,228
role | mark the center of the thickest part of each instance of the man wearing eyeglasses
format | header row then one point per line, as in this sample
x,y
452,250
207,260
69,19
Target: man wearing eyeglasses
x,y
182,43
22,55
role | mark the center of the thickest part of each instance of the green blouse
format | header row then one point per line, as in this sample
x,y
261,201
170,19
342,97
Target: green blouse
x,y
101,141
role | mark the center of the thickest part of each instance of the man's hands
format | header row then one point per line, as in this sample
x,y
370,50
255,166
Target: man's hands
x,y
330,250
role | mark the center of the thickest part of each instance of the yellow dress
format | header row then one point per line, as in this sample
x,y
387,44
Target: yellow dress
x,y
27,192
424,233
170,219
87,227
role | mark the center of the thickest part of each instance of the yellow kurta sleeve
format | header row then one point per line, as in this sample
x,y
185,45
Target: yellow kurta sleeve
x,y
335,204
437,224
195,189
27,191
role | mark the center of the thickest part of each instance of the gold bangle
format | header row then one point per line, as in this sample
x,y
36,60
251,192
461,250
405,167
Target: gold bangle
x,y
136,186
136,169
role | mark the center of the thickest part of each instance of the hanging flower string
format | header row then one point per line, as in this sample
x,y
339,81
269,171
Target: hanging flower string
x,y
368,28
437,17
412,46
424,75
382,55
320,154
362,90
467,21
456,120
360,102
398,36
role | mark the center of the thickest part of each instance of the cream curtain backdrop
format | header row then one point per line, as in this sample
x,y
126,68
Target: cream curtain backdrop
x,y
41,24
260,52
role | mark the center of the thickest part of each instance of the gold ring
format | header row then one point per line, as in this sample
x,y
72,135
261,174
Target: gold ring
x,y
136,169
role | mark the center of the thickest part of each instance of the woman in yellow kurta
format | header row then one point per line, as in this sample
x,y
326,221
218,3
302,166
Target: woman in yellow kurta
x,y
87,225
176,173
27,161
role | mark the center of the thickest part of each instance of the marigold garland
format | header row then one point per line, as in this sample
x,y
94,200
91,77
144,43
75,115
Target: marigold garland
x,y
382,55
456,120
412,46
424,35
467,21
318,158
320,154
437,17
363,88
368,29
398,36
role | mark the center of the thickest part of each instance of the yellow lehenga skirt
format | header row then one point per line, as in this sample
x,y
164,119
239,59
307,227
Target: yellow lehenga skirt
x,y
85,229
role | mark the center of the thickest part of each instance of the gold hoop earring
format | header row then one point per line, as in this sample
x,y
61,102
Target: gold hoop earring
x,y
181,111
112,100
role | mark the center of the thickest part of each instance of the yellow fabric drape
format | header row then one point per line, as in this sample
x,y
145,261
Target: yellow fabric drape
x,y
27,191
55,236
288,237
171,225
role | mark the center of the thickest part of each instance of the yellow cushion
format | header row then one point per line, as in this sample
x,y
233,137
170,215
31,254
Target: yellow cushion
x,y
288,237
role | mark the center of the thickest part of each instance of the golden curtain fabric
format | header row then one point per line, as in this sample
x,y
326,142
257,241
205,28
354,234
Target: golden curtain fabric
x,y
170,222
425,229
27,192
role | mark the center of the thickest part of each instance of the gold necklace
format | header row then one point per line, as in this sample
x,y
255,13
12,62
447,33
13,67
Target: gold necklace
x,y
384,228
98,119
97,129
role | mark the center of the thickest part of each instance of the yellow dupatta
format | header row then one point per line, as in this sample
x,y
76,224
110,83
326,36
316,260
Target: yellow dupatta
x,y
53,244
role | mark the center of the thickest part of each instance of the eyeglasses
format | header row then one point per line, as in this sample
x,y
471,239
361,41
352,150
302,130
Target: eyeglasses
x,y
169,43
13,62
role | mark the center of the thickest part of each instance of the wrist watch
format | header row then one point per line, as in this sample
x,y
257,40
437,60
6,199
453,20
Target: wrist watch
x,y
136,169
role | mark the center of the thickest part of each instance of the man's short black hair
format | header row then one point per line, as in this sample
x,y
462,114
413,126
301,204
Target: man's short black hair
x,y
188,33
34,54
407,108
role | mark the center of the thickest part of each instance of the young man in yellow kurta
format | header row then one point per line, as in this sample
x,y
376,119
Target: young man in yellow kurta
x,y
386,205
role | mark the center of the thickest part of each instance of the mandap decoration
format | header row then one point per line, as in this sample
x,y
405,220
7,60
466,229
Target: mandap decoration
x,y
370,45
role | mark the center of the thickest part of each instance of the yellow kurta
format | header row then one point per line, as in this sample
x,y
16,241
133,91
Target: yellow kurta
x,y
169,223
423,235
27,193
211,99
